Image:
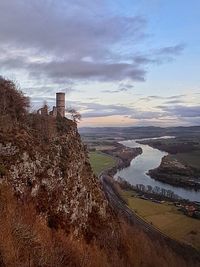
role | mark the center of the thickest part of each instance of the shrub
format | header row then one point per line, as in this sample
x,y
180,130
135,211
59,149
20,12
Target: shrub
x,y
12,101
2,170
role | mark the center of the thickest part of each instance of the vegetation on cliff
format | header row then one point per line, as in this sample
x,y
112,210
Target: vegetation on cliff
x,y
53,211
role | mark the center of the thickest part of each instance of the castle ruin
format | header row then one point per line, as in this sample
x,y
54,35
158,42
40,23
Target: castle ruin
x,y
59,109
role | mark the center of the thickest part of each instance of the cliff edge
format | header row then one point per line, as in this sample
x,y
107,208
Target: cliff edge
x,y
53,211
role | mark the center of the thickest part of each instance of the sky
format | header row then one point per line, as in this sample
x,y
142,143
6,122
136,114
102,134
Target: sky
x,y
120,62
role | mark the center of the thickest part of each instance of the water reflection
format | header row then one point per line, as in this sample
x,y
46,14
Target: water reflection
x,y
150,159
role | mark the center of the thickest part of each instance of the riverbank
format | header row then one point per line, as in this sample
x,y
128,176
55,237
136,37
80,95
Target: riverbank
x,y
159,211
188,208
181,167
123,156
151,158
173,172
112,158
163,215
166,217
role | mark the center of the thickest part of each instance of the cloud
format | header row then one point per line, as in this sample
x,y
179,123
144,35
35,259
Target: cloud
x,y
62,44
171,99
182,111
73,31
72,40
84,70
100,110
66,38
169,115
159,56
91,110
121,88
144,59
175,101
71,69
95,110
171,50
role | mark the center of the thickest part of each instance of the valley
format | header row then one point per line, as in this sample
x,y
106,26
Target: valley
x,y
164,215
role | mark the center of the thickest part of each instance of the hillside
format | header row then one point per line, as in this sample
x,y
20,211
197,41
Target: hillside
x,y
53,208
139,132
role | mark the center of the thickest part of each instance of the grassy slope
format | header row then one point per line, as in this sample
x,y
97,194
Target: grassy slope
x,y
191,158
100,161
167,218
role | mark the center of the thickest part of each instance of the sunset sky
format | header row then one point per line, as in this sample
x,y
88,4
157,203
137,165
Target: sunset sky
x,y
121,62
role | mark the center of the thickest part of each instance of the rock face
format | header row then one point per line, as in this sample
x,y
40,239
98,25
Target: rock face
x,y
55,174
58,214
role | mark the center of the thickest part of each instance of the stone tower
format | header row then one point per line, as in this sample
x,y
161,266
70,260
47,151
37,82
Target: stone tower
x,y
60,103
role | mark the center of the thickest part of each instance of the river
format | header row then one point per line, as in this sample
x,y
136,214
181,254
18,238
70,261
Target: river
x,y
150,159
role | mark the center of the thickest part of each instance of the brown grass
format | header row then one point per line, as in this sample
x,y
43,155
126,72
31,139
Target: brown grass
x,y
26,240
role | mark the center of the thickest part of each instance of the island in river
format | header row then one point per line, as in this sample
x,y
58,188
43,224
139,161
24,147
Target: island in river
x,y
181,167
159,211
174,172
184,148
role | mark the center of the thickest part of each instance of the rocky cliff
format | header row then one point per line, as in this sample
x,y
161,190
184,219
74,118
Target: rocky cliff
x,y
53,211
44,167
55,174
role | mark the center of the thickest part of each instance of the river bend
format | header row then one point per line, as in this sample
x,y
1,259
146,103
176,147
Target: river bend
x,y
150,159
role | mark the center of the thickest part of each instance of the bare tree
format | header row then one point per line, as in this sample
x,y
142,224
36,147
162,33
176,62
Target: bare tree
x,y
149,188
76,116
13,104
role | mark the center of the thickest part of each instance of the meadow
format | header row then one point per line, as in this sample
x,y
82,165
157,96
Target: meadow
x,y
100,161
166,218
191,158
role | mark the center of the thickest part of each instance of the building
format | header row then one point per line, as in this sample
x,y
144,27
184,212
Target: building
x,y
60,104
59,109
43,111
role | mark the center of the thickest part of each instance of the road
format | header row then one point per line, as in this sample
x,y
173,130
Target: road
x,y
121,208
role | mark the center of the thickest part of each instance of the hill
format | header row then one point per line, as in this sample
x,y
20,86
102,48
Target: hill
x,y
54,211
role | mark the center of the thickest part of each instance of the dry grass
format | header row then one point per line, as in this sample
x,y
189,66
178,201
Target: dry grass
x,y
26,240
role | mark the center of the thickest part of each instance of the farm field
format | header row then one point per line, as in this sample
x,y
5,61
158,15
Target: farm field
x,y
166,218
100,162
185,150
191,158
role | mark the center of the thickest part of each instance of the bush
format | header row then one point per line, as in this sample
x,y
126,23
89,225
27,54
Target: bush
x,y
12,102
2,170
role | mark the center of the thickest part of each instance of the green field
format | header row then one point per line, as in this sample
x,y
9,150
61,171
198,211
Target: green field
x,y
191,158
100,162
167,218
